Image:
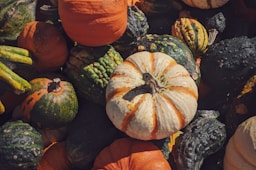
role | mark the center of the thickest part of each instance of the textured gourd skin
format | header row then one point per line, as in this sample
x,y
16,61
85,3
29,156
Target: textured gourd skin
x,y
204,136
228,64
192,33
150,96
89,70
137,26
21,146
170,45
14,15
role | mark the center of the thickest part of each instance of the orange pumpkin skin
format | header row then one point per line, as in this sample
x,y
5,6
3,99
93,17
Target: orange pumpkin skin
x,y
54,158
46,43
129,153
93,23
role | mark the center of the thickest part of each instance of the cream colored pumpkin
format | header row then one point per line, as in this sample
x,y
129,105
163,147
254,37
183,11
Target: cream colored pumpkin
x,y
241,148
150,96
205,4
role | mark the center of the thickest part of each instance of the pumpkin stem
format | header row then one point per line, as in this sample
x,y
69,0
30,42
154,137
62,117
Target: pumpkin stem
x,y
54,86
212,35
152,83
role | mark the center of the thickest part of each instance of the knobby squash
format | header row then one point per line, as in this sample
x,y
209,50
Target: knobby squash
x,y
150,96
50,103
93,23
204,136
89,69
21,146
128,153
13,16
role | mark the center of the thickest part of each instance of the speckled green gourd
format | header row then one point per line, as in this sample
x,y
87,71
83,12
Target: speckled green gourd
x,y
204,136
14,14
171,46
21,146
89,69
137,26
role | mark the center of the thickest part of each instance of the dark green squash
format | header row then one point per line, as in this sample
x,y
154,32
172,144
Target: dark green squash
x,y
21,146
89,69
171,46
228,64
204,136
137,26
88,134
14,14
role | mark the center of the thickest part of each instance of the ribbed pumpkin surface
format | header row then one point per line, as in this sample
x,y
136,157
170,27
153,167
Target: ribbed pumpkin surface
x,y
21,146
172,46
150,96
90,68
192,33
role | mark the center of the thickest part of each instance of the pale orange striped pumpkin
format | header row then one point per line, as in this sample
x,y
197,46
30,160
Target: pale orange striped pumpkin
x,y
205,4
150,96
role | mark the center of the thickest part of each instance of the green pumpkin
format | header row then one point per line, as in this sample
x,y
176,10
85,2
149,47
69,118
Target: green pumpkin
x,y
21,146
171,46
50,103
89,69
14,14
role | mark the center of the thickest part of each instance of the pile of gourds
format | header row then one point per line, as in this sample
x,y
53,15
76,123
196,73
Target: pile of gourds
x,y
127,84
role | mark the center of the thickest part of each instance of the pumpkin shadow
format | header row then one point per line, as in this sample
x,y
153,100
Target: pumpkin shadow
x,y
137,91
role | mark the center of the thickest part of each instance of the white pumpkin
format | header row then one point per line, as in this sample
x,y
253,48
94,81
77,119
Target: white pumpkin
x,y
205,4
241,148
150,96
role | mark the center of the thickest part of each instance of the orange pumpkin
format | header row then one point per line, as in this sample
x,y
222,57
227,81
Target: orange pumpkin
x,y
93,23
54,158
131,154
46,43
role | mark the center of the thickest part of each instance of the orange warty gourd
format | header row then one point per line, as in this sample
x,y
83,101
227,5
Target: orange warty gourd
x,y
131,154
94,23
46,43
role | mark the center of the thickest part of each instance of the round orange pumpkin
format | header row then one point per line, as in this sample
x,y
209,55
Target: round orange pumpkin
x,y
46,43
93,23
131,154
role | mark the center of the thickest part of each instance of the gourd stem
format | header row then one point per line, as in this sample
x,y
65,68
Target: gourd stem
x,y
54,86
151,82
212,35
